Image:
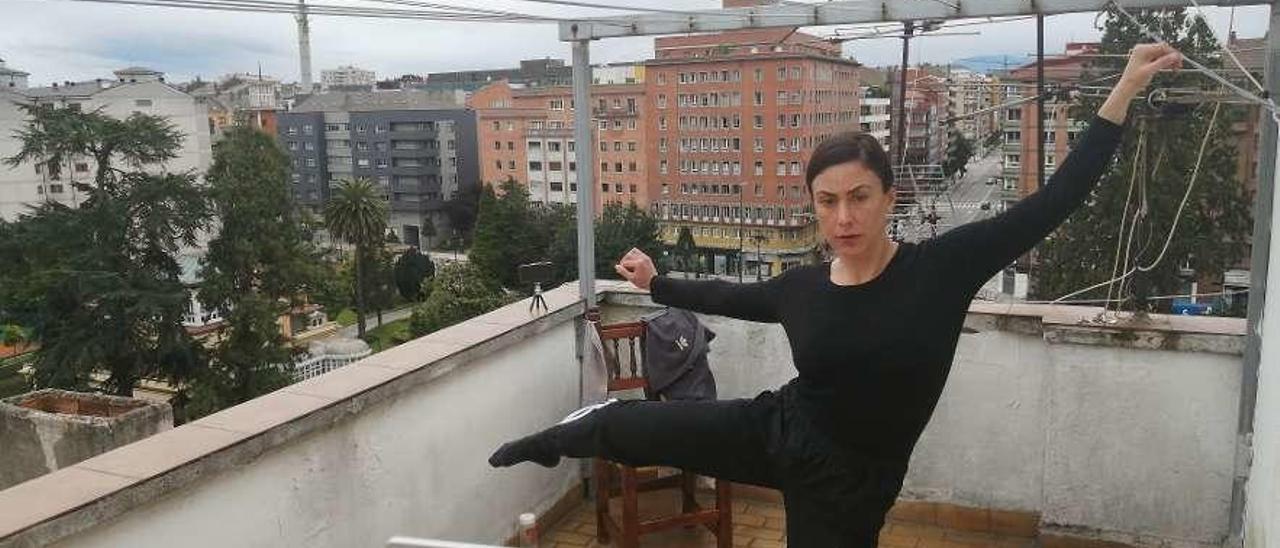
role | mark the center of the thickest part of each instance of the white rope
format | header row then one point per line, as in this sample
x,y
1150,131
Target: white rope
x,y
1172,229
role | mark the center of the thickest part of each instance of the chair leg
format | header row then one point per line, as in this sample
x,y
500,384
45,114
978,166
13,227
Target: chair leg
x,y
724,514
603,483
630,509
688,483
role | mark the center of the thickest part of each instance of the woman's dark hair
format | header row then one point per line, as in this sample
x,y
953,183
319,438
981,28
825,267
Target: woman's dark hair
x,y
849,146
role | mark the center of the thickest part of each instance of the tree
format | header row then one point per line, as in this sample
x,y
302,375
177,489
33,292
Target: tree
x,y
379,280
412,267
509,232
98,284
621,228
959,151
357,214
255,269
460,291
1213,230
463,210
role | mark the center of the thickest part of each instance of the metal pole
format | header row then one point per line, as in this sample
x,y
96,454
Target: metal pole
x,y
741,212
1259,270
584,151
1040,102
900,142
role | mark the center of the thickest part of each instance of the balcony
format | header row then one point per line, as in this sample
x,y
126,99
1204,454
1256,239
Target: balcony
x,y
1047,427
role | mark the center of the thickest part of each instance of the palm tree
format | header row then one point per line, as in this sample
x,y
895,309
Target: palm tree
x,y
357,213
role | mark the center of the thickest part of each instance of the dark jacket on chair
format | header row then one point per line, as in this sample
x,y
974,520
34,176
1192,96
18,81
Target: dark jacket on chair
x,y
675,356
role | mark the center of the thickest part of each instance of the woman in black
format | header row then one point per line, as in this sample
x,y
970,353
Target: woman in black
x,y
872,334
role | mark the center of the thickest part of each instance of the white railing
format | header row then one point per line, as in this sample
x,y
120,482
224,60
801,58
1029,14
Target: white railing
x,y
313,366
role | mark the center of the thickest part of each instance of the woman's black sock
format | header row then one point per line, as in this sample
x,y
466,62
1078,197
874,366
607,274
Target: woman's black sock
x,y
537,448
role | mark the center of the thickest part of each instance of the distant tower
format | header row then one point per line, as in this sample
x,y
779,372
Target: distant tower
x,y
304,45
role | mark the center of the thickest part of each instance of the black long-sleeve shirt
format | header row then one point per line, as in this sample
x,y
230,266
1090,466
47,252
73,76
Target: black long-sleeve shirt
x,y
873,357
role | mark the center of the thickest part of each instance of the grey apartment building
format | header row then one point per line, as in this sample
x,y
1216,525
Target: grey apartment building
x,y
419,151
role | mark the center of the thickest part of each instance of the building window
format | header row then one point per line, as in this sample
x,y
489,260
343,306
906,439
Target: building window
x,y
362,162
758,122
511,145
782,168
497,145
662,167
497,164
497,125
631,146
604,167
795,168
382,163
308,146
759,167
557,104
631,166
1012,160
535,166
1014,114
617,125
604,146
617,167
311,162
631,124
308,129
662,123
759,99
662,101
553,146
617,146
555,166
662,144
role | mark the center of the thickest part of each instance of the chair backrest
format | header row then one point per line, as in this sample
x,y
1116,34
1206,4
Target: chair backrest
x,y
624,356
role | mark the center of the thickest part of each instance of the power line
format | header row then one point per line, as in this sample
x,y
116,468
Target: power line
x,y
269,6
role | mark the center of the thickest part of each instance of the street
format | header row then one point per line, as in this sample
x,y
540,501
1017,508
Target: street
x,y
972,191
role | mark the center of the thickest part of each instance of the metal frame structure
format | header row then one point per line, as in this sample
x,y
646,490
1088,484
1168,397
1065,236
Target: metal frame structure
x,y
852,12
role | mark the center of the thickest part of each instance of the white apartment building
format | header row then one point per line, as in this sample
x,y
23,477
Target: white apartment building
x,y
133,90
347,78
873,117
969,92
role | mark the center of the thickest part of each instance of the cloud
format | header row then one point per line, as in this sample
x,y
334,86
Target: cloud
x,y
58,40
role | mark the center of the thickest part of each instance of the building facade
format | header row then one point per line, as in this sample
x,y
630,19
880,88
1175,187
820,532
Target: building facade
x,y
970,98
874,117
347,78
132,90
419,152
526,135
734,118
530,73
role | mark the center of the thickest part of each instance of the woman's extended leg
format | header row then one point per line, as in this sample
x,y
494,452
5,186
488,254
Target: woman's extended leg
x,y
726,439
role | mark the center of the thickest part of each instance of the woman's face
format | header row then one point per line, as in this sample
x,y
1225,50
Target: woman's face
x,y
852,208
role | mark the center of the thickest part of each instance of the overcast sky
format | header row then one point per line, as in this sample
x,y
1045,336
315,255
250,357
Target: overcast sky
x,y
58,40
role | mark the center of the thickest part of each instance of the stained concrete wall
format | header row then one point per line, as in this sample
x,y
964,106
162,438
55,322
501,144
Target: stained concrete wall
x,y
412,465
34,442
1132,444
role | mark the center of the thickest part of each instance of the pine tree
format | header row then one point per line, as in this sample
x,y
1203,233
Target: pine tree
x,y
98,284
255,269
1213,230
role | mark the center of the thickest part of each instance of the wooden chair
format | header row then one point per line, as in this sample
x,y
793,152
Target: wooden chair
x,y
624,355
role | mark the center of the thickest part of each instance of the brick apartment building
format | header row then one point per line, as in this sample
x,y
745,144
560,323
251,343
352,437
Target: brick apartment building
x,y
734,118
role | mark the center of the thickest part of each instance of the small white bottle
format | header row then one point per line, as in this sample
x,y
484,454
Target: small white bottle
x,y
528,530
